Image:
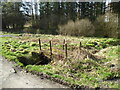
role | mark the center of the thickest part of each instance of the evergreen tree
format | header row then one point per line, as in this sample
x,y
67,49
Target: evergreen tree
x,y
11,14
115,8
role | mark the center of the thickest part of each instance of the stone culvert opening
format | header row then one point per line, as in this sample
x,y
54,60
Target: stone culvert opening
x,y
34,59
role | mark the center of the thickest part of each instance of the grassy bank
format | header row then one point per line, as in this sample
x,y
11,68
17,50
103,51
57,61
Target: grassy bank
x,y
95,65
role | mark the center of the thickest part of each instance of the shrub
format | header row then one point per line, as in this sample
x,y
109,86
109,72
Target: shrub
x,y
84,27
27,30
81,27
30,30
107,25
67,29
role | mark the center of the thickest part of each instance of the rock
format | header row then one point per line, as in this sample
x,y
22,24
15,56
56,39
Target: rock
x,y
42,78
15,71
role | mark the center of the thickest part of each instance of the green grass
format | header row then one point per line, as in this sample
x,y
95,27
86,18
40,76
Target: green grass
x,y
87,72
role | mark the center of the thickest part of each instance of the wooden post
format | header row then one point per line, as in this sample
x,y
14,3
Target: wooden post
x,y
50,50
63,44
66,50
80,45
40,44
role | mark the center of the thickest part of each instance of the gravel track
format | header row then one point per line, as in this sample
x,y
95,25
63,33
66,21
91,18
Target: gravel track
x,y
12,78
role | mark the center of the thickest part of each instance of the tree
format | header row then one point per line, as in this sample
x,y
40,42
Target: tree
x,y
90,10
12,17
46,16
106,25
115,8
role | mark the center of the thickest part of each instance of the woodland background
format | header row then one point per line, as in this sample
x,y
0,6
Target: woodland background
x,y
67,18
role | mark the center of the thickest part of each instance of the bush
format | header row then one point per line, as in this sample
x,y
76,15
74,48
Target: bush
x,y
84,27
81,27
107,25
30,30
67,29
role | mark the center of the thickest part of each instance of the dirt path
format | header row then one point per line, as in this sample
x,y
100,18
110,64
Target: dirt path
x,y
10,79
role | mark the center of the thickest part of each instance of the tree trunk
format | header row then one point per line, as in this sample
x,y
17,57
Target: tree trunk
x,y
118,26
13,26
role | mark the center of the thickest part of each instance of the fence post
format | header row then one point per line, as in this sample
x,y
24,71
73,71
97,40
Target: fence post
x,y
63,44
50,50
40,44
66,50
80,45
